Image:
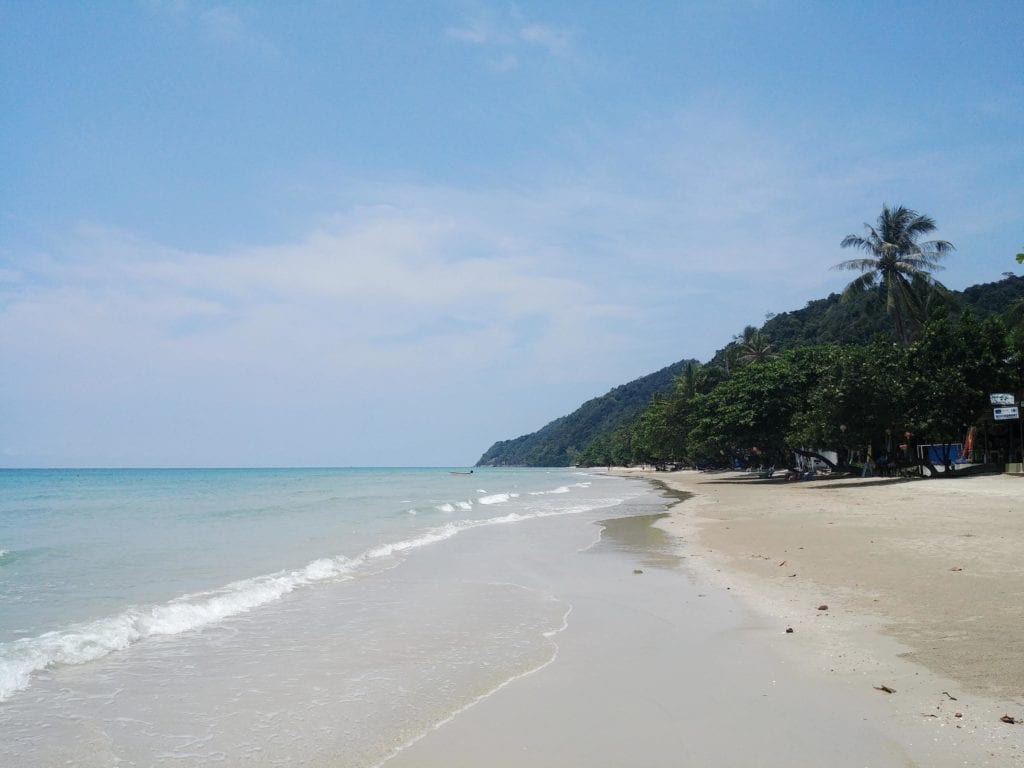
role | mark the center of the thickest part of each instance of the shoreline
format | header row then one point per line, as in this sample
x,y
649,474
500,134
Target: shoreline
x,y
669,664
923,583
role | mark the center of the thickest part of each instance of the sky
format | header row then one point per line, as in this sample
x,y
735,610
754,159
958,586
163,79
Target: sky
x,y
392,233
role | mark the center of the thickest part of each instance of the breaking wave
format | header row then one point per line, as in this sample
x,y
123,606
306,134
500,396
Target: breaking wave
x,y
88,641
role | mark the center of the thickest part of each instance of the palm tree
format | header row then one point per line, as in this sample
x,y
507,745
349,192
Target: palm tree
x,y
899,266
755,347
692,379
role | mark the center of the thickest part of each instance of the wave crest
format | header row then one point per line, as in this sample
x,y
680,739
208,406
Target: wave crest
x,y
85,642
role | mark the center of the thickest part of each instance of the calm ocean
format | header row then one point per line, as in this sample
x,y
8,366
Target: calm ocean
x,y
276,617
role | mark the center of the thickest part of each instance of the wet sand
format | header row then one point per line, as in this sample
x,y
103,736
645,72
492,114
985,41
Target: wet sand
x,y
689,663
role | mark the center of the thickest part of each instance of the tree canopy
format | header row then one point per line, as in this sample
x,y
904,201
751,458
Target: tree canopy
x,y
869,397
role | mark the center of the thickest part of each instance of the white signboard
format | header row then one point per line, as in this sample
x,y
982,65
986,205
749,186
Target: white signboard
x,y
1001,398
1005,414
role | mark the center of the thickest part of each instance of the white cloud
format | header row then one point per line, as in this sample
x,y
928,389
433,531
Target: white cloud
x,y
512,36
554,41
475,32
218,24
381,311
356,302
485,311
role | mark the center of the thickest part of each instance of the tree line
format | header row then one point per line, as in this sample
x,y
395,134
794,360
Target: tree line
x,y
925,382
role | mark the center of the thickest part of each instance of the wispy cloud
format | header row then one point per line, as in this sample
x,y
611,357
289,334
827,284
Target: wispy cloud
x,y
377,291
223,23
509,37
555,41
217,23
476,31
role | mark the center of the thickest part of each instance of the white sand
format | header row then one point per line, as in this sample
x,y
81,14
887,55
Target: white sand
x,y
692,665
924,582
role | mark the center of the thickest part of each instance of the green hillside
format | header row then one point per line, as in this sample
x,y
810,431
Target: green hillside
x,y
822,321
557,444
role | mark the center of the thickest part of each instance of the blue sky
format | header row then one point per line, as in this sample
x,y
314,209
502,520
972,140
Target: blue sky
x,y
390,233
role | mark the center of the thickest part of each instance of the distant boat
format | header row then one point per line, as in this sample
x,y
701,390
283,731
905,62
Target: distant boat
x,y
460,472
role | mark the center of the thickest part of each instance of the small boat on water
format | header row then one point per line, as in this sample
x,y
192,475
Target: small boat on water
x,y
460,472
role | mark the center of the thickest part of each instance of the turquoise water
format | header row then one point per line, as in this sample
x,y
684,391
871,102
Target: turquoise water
x,y
152,617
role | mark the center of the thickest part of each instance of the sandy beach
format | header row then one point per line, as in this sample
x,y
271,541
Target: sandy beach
x,y
907,645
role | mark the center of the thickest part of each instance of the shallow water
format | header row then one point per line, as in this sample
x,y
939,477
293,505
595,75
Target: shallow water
x,y
182,617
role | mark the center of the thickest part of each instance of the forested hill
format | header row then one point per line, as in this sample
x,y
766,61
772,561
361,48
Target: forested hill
x,y
557,444
858,320
828,320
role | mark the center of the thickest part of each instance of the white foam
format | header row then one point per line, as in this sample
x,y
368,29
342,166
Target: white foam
x,y
85,642
81,643
559,489
445,508
431,537
464,505
3,552
497,498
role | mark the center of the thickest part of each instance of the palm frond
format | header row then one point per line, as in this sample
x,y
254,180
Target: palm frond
x,y
858,265
909,268
919,224
856,241
862,284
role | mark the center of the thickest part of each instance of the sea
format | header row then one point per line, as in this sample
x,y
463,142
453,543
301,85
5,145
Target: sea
x,y
279,617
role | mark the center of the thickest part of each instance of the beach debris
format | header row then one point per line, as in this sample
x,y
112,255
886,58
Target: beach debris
x,y
789,630
782,563
951,696
1009,719
885,689
822,607
637,571
956,568
958,714
792,575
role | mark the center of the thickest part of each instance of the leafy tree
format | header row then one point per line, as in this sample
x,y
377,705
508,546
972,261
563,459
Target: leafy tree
x,y
755,408
620,445
899,266
859,396
933,389
597,453
952,368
